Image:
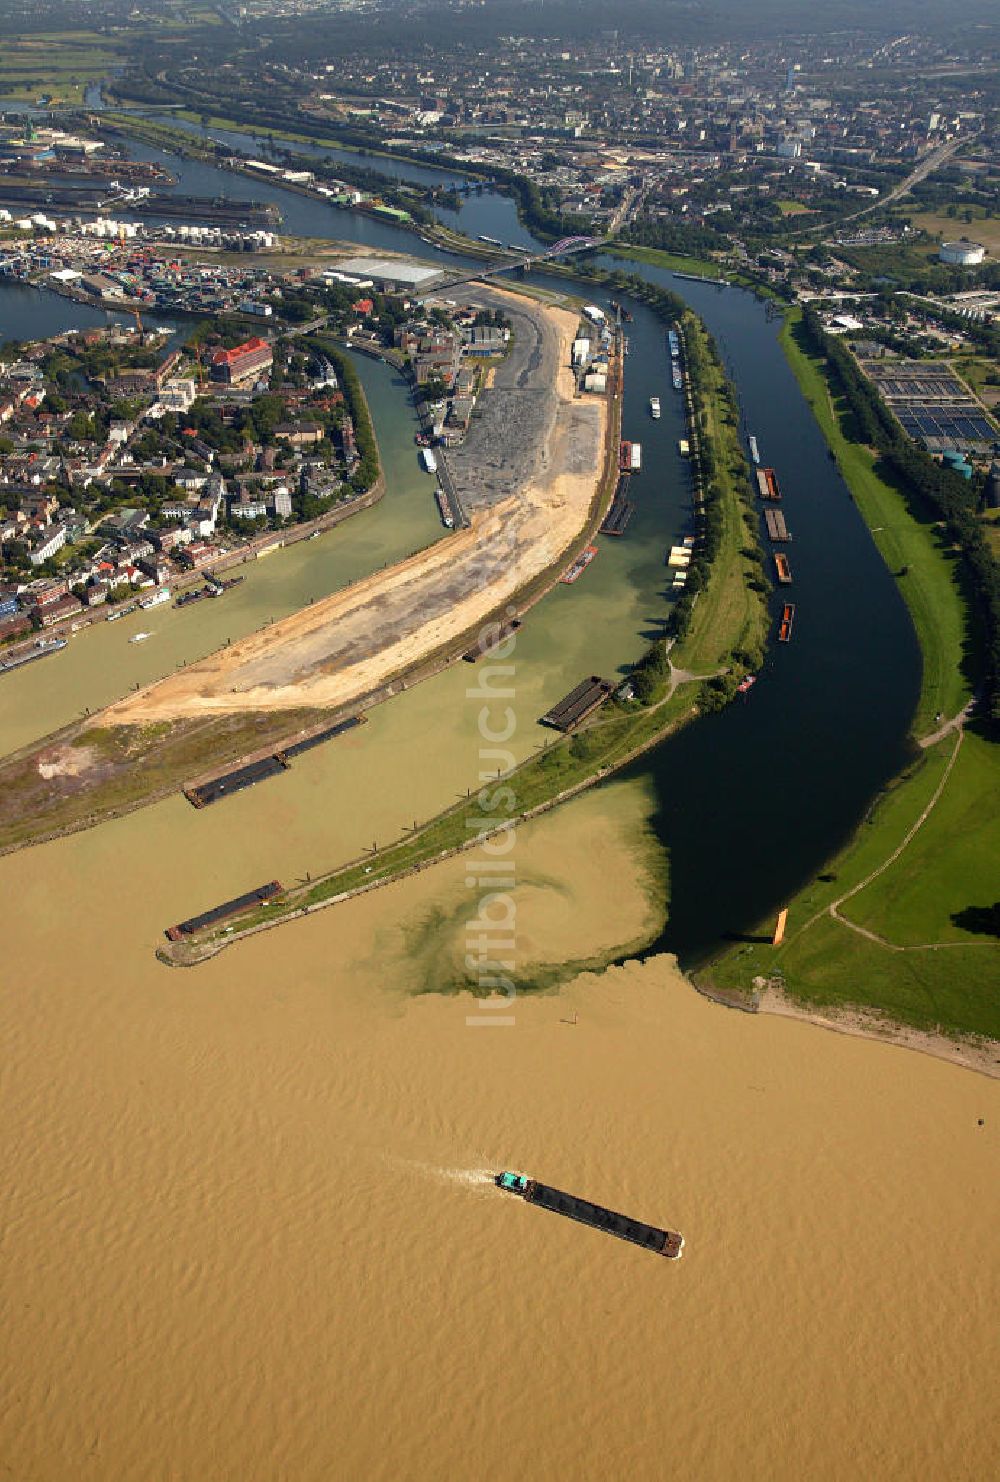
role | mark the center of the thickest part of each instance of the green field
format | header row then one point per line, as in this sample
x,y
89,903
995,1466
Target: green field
x,y
913,938
913,902
981,229
59,66
705,267
906,541
928,969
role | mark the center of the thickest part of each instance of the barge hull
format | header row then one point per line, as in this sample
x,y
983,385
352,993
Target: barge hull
x,y
637,1232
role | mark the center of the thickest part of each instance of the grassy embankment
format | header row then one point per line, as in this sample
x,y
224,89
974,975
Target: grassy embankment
x,y
729,617
705,267
921,872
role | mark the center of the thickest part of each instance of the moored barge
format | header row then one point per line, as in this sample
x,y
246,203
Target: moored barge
x,y
767,485
38,650
776,527
444,508
783,569
650,1237
588,696
579,566
787,619
229,908
620,510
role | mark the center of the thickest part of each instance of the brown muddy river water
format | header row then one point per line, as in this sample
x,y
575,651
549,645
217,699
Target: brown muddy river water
x,y
249,1233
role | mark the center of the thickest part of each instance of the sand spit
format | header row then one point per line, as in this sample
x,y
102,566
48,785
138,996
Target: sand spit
x,y
350,643
982,1055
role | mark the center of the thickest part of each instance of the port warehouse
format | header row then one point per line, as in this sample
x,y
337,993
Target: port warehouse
x,y
229,908
202,794
582,701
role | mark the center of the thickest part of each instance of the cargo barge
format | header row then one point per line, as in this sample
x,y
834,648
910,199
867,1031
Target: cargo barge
x,y
582,701
499,634
673,344
776,527
201,794
767,485
429,461
783,569
239,903
217,586
630,457
621,509
444,508
754,451
579,566
654,407
316,738
650,1237
787,619
39,650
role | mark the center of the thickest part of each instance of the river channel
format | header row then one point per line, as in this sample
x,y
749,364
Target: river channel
x,y
748,803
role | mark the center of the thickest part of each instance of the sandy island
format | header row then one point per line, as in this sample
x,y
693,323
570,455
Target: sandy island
x,y
348,644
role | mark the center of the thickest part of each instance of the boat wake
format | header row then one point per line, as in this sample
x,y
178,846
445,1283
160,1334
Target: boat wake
x,y
472,1178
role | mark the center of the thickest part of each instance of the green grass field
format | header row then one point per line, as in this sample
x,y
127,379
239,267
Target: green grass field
x,y
930,586
981,229
673,262
915,902
929,848
946,976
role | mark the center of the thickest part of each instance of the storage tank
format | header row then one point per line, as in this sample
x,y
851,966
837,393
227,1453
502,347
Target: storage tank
x,y
961,254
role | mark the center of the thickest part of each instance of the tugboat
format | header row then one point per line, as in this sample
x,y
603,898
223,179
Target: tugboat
x,y
663,1242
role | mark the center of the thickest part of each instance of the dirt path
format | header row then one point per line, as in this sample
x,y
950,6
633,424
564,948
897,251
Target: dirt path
x,y
833,909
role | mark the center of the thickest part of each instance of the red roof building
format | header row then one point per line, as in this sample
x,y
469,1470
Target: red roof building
x,y
243,363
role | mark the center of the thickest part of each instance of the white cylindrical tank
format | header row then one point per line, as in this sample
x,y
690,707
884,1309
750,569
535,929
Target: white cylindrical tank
x,y
961,254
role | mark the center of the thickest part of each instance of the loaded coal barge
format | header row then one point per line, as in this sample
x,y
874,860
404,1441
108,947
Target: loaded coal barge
x,y
662,1242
